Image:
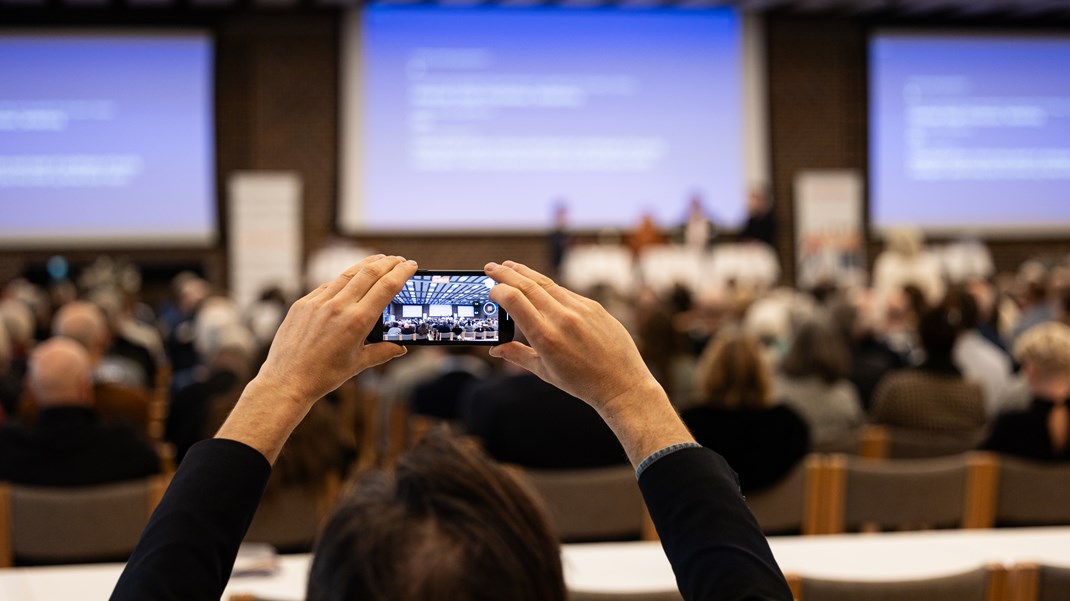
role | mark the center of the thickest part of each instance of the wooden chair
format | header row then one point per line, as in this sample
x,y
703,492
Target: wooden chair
x,y
793,504
290,518
1031,493
1032,582
865,494
74,525
984,584
591,504
883,442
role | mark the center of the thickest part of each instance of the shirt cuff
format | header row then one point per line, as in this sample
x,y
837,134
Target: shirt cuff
x,y
651,458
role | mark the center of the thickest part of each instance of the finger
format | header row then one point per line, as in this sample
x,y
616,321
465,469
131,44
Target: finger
x,y
365,278
381,352
527,317
561,294
520,354
344,278
384,290
316,292
535,293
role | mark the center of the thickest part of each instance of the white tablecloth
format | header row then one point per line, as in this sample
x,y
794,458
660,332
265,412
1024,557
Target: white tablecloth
x,y
619,567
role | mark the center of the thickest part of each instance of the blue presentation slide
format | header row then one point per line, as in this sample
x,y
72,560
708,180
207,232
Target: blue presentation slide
x,y
106,140
483,118
969,132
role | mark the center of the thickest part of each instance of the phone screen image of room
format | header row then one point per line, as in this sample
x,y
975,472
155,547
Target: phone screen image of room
x,y
443,308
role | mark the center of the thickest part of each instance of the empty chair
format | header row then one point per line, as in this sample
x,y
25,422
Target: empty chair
x,y
790,505
1030,493
948,492
591,504
1032,582
75,525
983,584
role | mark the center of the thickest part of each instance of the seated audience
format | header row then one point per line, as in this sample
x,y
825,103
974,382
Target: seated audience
x,y
523,420
1041,431
441,395
228,361
737,417
871,357
447,523
84,322
69,446
813,381
933,397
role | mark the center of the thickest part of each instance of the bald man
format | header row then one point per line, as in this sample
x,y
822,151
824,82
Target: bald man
x,y
69,446
115,360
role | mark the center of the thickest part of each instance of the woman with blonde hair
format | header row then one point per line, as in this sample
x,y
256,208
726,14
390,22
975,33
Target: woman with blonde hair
x,y
736,416
1041,431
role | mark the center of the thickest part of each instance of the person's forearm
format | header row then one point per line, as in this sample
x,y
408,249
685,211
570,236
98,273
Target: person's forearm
x,y
644,421
263,419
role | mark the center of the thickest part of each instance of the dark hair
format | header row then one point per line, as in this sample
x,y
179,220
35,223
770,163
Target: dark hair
x,y
819,349
963,304
447,524
938,329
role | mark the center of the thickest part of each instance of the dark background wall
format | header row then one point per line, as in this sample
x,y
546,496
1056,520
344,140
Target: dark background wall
x,y
277,108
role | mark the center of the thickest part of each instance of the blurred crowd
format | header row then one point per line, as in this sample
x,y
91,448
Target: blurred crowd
x,y
97,386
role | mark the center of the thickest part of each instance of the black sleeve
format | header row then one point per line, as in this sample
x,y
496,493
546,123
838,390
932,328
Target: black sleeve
x,y
188,548
711,539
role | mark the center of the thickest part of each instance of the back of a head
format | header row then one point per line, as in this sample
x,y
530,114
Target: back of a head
x,y
448,524
60,373
938,329
733,373
1045,348
83,322
818,349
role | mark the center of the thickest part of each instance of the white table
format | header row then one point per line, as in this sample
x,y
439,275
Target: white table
x,y
620,567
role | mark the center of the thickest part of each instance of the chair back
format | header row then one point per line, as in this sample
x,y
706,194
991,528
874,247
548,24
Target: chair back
x,y
1032,582
884,442
290,518
790,505
947,492
73,525
983,584
1031,493
590,504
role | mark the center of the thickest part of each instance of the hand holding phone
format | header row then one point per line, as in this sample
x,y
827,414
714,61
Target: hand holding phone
x,y
444,307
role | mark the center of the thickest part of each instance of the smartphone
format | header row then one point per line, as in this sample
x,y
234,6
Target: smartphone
x,y
451,308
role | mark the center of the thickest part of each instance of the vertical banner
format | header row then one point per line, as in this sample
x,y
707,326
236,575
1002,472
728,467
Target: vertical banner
x,y
828,228
263,233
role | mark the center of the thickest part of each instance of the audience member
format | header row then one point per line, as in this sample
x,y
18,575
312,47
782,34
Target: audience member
x,y
229,350
905,262
737,418
813,381
1032,288
522,419
84,322
440,397
69,446
447,524
871,357
1042,431
979,359
933,397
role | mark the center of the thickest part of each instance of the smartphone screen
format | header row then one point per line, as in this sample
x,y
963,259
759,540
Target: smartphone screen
x,y
447,308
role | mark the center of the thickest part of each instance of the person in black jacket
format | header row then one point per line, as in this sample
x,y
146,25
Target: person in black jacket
x,y
188,548
69,445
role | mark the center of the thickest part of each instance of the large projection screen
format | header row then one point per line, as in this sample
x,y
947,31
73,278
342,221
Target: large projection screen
x,y
486,119
969,133
106,140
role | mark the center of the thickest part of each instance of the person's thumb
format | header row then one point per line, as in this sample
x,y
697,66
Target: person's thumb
x,y
519,354
381,352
